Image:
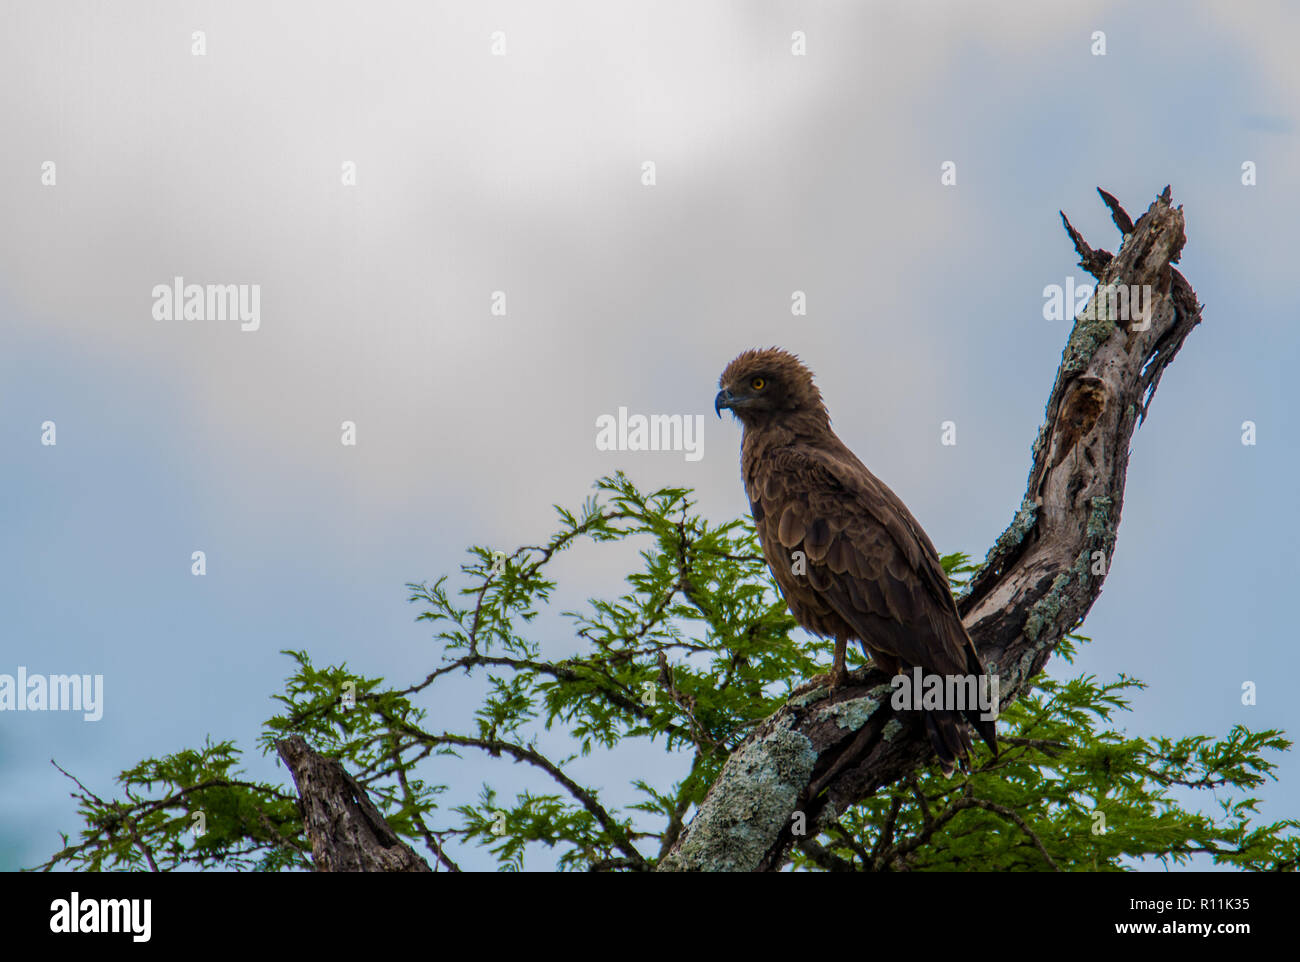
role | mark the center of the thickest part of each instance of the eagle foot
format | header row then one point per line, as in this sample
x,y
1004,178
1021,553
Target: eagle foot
x,y
835,679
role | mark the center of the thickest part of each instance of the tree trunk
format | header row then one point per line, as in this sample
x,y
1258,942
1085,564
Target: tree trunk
x,y
821,753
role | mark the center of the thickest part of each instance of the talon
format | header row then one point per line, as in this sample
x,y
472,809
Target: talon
x,y
830,680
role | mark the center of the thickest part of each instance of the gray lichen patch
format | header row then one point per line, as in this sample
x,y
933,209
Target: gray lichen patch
x,y
809,698
1099,518
854,713
893,728
1048,608
1024,521
1021,524
1089,334
748,805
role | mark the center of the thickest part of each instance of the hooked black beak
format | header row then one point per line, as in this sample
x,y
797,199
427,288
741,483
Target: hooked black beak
x,y
725,399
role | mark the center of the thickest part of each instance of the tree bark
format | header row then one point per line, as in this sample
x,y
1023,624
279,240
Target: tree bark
x,y
346,830
822,752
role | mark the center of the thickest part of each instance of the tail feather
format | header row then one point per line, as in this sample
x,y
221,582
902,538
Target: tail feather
x,y
948,738
986,727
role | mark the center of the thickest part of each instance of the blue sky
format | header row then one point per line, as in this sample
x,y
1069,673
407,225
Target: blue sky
x,y
522,173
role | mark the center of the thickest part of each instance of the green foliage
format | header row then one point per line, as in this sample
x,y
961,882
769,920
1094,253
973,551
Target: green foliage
x,y
202,815
697,650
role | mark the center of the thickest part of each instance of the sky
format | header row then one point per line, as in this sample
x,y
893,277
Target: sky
x,y
386,177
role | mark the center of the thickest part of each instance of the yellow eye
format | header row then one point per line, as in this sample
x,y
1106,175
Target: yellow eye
x,y
758,384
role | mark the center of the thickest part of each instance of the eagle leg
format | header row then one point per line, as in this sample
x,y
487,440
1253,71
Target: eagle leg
x,y
839,674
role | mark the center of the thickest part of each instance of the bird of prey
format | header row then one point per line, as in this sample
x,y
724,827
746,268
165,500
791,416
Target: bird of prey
x,y
846,553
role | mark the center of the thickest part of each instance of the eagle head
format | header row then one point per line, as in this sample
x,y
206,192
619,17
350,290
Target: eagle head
x,y
762,385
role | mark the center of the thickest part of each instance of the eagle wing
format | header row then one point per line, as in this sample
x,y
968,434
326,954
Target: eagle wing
x,y
867,559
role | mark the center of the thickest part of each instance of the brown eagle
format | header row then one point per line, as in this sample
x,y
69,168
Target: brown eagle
x,y
846,553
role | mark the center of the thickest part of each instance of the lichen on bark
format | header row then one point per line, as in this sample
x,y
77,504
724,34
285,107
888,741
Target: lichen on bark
x,y
747,806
